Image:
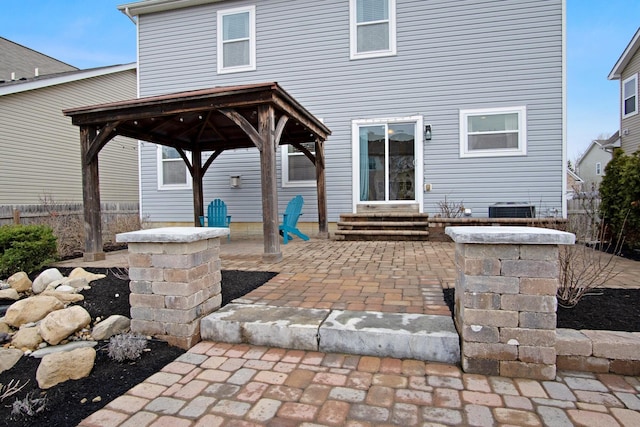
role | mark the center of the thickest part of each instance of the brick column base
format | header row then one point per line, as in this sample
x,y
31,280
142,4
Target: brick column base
x,y
175,281
505,308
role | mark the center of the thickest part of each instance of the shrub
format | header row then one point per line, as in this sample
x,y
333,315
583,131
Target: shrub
x,y
126,347
25,248
29,405
620,193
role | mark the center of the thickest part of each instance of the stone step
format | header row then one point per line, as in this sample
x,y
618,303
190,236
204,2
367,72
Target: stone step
x,y
415,336
369,224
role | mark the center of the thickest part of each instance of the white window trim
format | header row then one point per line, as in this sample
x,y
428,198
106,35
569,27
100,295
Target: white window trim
x,y
159,163
522,132
252,40
633,77
419,153
353,33
284,154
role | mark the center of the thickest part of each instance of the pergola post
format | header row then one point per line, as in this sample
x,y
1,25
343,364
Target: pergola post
x,y
323,230
266,129
196,177
91,197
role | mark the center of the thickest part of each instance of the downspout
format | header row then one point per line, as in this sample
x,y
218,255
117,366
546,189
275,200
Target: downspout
x,y
126,12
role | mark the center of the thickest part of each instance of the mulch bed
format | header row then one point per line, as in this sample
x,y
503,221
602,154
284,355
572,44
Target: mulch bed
x,y
108,379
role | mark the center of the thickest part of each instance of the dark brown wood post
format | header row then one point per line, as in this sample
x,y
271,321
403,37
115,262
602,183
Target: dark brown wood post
x,y
266,129
323,229
93,250
196,177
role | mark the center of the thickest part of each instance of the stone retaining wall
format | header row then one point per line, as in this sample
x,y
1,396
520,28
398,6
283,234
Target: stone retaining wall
x,y
598,351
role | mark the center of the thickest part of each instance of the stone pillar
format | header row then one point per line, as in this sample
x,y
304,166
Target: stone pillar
x,y
175,281
505,308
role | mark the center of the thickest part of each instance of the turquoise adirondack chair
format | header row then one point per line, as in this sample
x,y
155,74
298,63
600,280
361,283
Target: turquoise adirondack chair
x,y
290,220
217,216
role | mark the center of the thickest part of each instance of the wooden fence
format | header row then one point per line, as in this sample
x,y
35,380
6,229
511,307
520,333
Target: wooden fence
x,y
35,214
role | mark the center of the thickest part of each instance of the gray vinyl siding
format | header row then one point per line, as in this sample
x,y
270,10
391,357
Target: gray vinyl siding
x,y
41,148
630,142
451,55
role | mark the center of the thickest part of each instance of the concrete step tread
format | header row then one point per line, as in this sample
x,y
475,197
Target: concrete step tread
x,y
383,223
416,336
385,232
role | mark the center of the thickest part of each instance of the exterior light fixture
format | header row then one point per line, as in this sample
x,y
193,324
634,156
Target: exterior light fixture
x,y
234,181
427,132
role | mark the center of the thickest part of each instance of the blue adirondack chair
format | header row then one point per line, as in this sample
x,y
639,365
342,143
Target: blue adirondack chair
x,y
290,220
217,216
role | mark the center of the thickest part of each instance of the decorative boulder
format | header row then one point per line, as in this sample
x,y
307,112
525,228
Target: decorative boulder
x,y
45,278
10,294
31,309
58,325
8,358
112,325
64,297
56,368
26,339
81,272
20,282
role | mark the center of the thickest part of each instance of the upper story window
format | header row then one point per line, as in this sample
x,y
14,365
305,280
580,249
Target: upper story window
x,y
598,168
172,171
493,132
297,169
237,39
373,28
630,96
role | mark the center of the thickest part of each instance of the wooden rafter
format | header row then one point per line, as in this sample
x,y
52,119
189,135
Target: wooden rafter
x,y
244,124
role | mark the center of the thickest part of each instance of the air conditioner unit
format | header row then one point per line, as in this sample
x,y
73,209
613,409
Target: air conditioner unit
x,y
512,210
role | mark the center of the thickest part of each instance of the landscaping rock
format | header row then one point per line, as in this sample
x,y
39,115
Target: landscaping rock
x,y
59,324
26,339
10,294
60,367
76,282
31,309
4,328
8,358
81,272
45,278
62,348
64,297
20,282
112,325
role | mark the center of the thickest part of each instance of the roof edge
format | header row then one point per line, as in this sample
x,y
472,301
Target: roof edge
x,y
61,78
625,58
153,6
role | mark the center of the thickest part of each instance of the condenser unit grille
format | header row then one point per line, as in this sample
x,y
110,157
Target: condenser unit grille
x,y
512,210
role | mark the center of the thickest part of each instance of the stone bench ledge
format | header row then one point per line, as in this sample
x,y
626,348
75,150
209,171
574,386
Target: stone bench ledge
x,y
171,235
509,235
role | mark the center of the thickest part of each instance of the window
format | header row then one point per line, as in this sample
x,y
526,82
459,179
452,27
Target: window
x,y
373,28
598,168
493,132
630,96
297,169
172,171
236,40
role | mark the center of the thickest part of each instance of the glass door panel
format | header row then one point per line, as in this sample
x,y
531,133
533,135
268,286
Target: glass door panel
x,y
373,182
402,161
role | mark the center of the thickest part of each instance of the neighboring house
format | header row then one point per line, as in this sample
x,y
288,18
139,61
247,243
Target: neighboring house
x,y
590,166
18,62
626,70
426,100
40,159
575,184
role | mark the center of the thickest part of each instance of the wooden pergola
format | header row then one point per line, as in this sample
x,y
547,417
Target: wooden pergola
x,y
204,121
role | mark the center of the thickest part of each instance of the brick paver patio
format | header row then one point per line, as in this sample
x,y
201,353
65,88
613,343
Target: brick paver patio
x,y
217,384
